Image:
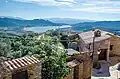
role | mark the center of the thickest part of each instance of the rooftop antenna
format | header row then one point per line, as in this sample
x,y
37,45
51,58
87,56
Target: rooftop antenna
x,y
69,31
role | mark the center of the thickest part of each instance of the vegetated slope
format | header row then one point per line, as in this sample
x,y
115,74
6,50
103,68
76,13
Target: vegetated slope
x,y
10,22
68,20
109,25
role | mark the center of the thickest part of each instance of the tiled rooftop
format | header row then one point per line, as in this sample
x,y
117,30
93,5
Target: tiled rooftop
x,y
20,63
87,37
72,52
73,63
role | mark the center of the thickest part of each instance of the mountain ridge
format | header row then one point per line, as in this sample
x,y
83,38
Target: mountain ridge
x,y
68,20
12,22
104,25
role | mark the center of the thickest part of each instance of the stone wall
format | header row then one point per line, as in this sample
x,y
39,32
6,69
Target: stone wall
x,y
76,72
38,74
81,71
84,69
115,41
104,44
71,75
31,71
34,72
87,69
114,60
6,76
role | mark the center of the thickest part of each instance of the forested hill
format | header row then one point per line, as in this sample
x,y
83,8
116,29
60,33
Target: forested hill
x,y
11,22
100,24
68,20
112,25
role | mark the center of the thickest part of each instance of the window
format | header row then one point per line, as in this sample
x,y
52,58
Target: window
x,y
89,46
111,47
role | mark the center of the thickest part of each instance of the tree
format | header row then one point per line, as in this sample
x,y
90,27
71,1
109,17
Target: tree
x,y
2,59
4,49
64,40
54,58
46,48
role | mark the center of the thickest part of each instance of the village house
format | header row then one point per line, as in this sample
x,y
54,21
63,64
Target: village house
x,y
102,47
80,64
100,44
22,68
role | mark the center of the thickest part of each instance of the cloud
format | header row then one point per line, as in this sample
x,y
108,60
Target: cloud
x,y
96,6
104,2
98,10
6,1
49,2
69,1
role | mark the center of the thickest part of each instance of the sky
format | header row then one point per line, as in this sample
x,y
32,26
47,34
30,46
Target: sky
x,y
79,9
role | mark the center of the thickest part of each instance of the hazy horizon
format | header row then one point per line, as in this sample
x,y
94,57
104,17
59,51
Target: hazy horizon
x,y
55,18
99,10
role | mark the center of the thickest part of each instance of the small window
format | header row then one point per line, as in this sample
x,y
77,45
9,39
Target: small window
x,y
77,48
89,46
111,47
4,78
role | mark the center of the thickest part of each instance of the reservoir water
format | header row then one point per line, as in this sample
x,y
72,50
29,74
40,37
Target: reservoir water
x,y
40,29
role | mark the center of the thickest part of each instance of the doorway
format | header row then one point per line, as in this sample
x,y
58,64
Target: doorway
x,y
20,75
103,54
76,72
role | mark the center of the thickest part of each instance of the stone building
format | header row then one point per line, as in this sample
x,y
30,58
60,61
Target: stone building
x,y
99,43
21,68
115,45
80,64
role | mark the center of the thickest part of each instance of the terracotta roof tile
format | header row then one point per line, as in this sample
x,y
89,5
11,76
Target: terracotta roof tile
x,y
20,62
87,37
74,63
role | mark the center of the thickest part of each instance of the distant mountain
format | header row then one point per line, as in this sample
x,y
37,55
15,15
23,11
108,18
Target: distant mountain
x,y
68,20
10,17
18,22
105,25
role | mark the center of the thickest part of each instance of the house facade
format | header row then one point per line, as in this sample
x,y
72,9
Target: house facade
x,y
80,64
21,68
100,44
115,46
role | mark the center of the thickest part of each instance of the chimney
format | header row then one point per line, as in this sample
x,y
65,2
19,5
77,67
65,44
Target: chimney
x,y
97,33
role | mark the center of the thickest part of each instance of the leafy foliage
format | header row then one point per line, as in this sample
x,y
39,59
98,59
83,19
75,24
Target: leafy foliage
x,y
11,22
54,57
43,46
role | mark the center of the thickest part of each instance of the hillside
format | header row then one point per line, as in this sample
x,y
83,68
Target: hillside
x,y
106,25
11,22
68,20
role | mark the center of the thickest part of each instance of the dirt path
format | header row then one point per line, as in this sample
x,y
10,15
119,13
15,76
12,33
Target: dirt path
x,y
106,71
